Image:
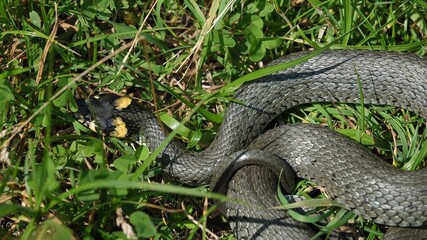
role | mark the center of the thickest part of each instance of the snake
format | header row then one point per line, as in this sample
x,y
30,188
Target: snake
x,y
244,159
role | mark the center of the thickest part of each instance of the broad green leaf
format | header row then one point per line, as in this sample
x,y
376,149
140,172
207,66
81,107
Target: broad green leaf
x,y
156,68
268,8
142,153
257,52
125,163
257,21
97,9
63,99
143,225
66,96
223,38
272,43
253,34
92,148
53,229
35,19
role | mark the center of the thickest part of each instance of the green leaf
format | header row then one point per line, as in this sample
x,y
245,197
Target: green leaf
x,y
42,180
257,21
268,8
35,19
60,155
93,148
223,38
196,11
6,209
123,28
118,176
100,176
128,184
142,153
88,177
353,133
53,229
272,43
143,225
151,66
6,95
417,158
253,34
125,163
398,128
66,96
14,72
348,12
63,99
97,9
257,52
40,117
313,202
175,125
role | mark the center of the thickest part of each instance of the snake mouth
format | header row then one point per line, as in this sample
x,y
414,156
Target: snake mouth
x,y
87,121
84,115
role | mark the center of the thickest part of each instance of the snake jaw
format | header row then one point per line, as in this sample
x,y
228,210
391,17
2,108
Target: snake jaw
x,y
84,115
91,124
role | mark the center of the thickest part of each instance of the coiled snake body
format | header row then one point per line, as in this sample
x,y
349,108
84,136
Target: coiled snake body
x,y
354,176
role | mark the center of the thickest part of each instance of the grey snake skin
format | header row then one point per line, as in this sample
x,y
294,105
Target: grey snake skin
x,y
353,175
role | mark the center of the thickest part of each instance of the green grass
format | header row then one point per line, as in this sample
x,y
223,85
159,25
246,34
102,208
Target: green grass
x,y
59,180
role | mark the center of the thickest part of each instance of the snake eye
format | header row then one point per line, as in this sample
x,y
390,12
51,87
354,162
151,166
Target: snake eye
x,y
88,118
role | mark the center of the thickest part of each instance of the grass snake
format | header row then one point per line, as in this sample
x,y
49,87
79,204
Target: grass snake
x,y
241,159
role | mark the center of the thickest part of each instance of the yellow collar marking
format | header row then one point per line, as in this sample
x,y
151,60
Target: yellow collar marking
x,y
120,129
122,103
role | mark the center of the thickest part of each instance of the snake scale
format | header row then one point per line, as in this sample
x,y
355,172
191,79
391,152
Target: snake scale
x,y
241,159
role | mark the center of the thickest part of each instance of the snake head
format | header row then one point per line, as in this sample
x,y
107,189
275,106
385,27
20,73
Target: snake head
x,y
104,114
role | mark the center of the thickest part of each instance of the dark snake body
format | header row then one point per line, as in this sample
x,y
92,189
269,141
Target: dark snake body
x,y
355,177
